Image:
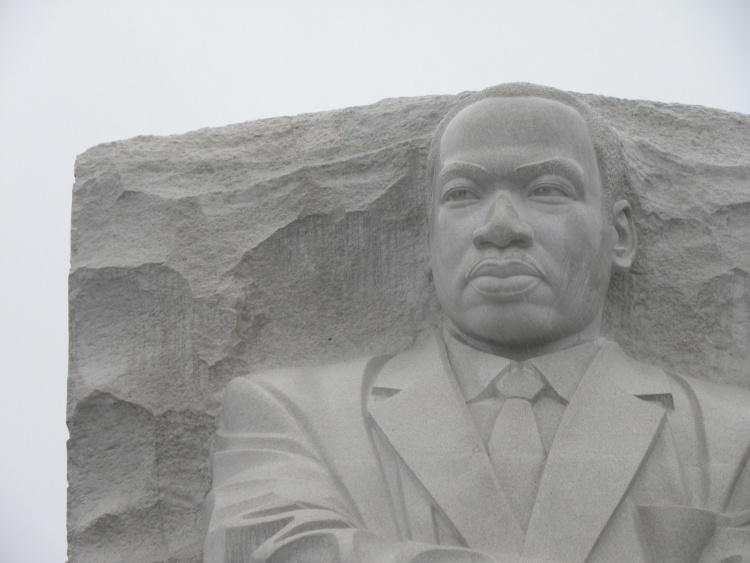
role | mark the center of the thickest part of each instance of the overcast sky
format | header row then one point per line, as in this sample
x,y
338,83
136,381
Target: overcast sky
x,y
77,73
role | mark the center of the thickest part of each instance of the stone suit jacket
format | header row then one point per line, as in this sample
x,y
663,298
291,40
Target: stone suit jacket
x,y
378,461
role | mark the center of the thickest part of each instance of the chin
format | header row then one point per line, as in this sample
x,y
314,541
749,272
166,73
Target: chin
x,y
522,329
518,337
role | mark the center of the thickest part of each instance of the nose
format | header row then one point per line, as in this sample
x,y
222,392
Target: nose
x,y
503,226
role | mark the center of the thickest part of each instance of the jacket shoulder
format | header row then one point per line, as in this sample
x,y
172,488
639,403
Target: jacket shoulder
x,y
720,418
273,395
719,404
724,409
293,381
711,420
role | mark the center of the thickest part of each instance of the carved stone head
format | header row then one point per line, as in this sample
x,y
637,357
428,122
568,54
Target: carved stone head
x,y
527,220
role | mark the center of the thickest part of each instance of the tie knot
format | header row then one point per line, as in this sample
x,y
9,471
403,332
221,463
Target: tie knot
x,y
520,381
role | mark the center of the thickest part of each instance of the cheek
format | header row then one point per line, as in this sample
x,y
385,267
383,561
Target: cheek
x,y
585,251
448,243
569,239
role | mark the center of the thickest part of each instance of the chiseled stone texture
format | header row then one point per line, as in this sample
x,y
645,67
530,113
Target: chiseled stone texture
x,y
301,240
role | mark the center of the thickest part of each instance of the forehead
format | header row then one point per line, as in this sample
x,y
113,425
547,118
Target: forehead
x,y
517,129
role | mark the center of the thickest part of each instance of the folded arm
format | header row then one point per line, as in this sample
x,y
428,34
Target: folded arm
x,y
274,498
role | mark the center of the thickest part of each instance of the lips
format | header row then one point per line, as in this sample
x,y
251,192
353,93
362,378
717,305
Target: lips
x,y
504,277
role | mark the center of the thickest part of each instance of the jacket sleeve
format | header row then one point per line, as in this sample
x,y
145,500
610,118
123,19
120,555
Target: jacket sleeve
x,y
726,416
715,449
273,498
730,540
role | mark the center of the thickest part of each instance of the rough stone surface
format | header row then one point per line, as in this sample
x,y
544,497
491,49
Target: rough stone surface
x,y
301,240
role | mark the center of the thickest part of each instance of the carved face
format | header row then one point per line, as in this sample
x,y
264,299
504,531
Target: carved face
x,y
521,251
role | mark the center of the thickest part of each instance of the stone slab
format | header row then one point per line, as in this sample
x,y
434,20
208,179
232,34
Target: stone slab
x,y
301,240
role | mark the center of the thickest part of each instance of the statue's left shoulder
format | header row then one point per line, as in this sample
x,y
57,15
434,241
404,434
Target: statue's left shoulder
x,y
719,413
719,403
710,423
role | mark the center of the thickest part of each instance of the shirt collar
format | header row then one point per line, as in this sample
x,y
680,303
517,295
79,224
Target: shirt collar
x,y
475,369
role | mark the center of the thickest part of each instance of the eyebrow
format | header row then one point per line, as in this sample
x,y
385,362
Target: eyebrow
x,y
463,169
562,166
559,165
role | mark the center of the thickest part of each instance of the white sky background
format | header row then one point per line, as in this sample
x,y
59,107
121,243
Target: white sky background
x,y
77,73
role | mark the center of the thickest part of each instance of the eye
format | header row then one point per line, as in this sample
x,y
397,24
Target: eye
x,y
460,194
549,192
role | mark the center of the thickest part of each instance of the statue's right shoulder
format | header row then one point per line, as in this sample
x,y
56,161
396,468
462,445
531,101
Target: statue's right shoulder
x,y
306,378
302,389
327,390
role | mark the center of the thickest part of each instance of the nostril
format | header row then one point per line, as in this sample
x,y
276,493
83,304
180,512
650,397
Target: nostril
x,y
503,233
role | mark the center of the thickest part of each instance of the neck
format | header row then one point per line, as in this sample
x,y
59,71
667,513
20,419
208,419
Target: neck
x,y
526,352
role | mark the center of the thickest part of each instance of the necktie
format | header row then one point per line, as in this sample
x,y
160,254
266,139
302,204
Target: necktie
x,y
515,446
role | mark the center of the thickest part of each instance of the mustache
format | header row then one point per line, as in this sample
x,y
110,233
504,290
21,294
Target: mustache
x,y
506,266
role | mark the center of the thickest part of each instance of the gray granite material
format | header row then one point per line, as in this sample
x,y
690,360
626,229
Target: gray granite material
x,y
302,241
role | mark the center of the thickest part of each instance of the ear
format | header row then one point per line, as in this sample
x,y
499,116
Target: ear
x,y
626,239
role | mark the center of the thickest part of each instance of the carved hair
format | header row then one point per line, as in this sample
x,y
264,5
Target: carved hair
x,y
606,141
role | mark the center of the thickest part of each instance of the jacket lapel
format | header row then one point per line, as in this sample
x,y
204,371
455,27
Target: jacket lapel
x,y
602,439
424,417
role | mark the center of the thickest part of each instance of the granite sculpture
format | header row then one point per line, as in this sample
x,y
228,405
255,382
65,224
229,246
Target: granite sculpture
x,y
514,432
301,241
